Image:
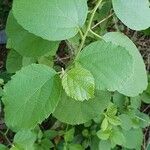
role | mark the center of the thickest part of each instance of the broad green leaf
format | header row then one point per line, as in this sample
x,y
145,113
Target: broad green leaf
x,y
148,146
76,112
111,110
14,148
75,147
24,140
78,83
46,60
30,96
138,81
145,98
1,92
104,145
52,20
104,135
133,13
110,65
94,143
69,135
104,124
126,122
50,134
119,101
28,61
114,120
147,31
85,133
133,138
25,43
136,122
1,82
45,144
3,147
135,102
14,61
144,119
117,137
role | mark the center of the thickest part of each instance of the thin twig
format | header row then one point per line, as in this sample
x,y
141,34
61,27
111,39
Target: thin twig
x,y
81,33
102,21
6,138
95,34
88,28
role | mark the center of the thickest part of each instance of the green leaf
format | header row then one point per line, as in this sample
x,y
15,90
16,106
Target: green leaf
x,y
78,83
50,134
14,61
144,119
148,147
135,102
76,112
60,19
119,101
30,96
114,120
133,138
24,140
75,147
110,65
111,110
135,14
28,61
104,135
137,83
145,98
104,124
94,143
117,137
14,148
46,60
1,81
104,145
69,135
1,92
126,122
45,144
25,43
3,147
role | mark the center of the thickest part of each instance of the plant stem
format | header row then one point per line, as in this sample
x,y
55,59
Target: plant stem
x,y
6,138
81,33
88,28
95,34
102,21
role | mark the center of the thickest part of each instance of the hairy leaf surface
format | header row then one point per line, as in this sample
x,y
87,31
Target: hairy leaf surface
x,y
25,43
138,81
30,96
133,138
133,13
71,111
14,61
24,139
51,19
78,83
110,65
